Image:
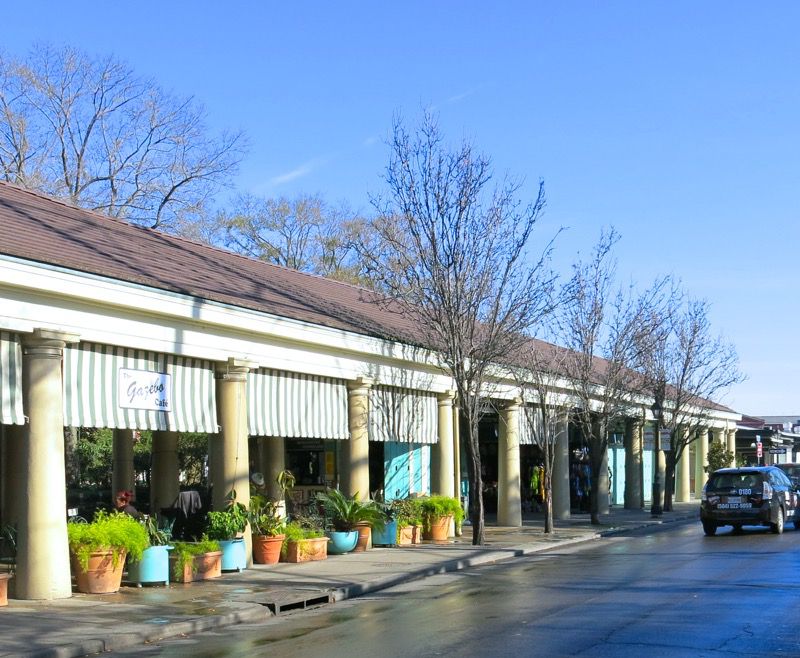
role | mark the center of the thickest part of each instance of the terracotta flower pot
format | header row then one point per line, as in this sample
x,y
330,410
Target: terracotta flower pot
x,y
364,537
266,549
306,550
201,567
101,576
440,527
4,578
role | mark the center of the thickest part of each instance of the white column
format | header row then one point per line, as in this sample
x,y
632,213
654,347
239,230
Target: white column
x,y
122,475
732,444
509,493
561,502
43,569
683,486
442,463
700,462
164,476
232,470
633,463
355,479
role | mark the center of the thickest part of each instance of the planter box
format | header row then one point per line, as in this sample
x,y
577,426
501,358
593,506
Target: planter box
x,y
267,550
306,550
4,578
234,557
405,535
153,567
101,576
202,567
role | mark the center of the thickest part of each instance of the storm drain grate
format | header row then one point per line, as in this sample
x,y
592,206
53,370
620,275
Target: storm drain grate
x,y
283,601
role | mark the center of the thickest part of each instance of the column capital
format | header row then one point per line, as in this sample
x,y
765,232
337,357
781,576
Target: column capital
x,y
46,342
360,386
234,369
511,405
446,399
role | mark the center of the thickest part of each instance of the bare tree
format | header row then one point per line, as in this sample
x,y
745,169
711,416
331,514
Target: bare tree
x,y
304,233
541,382
686,368
604,328
455,255
92,132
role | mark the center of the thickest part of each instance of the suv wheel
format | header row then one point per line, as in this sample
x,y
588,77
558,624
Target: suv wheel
x,y
777,527
710,528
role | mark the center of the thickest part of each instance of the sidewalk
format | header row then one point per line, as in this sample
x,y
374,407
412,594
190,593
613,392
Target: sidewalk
x,y
86,624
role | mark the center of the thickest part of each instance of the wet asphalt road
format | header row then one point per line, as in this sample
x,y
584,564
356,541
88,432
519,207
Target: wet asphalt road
x,y
671,593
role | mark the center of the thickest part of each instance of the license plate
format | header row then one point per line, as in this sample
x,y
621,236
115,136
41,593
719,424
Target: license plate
x,y
733,500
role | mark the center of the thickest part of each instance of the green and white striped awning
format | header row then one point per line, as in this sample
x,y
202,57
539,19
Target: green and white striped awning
x,y
92,375
403,415
528,414
294,406
10,380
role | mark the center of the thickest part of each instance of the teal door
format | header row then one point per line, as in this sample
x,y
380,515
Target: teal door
x,y
407,469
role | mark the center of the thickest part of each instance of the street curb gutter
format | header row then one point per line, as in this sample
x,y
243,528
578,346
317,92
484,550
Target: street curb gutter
x,y
487,557
250,614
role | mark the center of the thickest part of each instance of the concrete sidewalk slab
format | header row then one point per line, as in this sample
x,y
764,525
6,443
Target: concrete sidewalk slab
x,y
86,624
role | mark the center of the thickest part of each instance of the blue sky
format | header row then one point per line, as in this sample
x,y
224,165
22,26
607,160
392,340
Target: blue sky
x,y
676,122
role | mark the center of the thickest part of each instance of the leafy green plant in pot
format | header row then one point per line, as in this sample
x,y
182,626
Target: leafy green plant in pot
x,y
200,560
409,520
268,527
98,550
390,511
348,513
438,512
304,542
226,527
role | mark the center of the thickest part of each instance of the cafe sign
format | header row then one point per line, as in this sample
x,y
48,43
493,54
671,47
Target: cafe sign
x,y
142,389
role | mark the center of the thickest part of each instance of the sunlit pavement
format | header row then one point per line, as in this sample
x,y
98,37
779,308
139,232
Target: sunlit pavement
x,y
86,624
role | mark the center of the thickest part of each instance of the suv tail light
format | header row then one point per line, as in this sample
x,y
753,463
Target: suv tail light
x,y
767,491
703,495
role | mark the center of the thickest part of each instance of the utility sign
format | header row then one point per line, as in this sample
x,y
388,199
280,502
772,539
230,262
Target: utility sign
x,y
666,440
759,449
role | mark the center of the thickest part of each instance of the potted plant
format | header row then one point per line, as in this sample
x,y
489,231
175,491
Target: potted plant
x,y
268,529
438,514
8,557
201,560
226,527
154,564
388,535
98,550
303,543
409,521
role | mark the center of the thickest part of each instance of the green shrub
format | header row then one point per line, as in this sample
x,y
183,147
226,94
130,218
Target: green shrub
x,y
229,523
115,531
438,506
264,517
408,512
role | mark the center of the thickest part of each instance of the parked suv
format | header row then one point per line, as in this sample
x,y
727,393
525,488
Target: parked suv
x,y
755,495
793,471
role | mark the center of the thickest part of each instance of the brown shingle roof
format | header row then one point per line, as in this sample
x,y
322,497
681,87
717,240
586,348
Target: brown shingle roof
x,y
38,228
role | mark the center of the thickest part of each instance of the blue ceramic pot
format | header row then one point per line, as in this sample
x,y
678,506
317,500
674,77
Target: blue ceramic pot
x,y
387,536
152,568
233,555
341,542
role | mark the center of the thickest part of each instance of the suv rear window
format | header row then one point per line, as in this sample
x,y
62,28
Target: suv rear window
x,y
735,481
